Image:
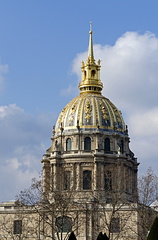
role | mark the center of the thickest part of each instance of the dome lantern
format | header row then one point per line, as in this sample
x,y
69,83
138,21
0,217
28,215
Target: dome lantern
x,y
90,82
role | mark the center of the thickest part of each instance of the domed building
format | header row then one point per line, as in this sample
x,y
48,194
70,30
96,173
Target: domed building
x,y
89,176
90,160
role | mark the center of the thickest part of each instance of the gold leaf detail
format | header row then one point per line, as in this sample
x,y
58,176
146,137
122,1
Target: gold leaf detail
x,y
104,111
72,113
88,110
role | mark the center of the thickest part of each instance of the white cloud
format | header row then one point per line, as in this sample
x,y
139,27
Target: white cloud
x,y
147,123
68,91
24,139
13,163
130,76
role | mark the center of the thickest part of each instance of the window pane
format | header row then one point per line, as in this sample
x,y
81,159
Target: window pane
x,y
64,224
121,147
17,227
115,225
87,179
67,180
87,143
107,144
68,144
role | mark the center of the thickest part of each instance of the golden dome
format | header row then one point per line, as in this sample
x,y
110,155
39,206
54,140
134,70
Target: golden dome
x,y
90,110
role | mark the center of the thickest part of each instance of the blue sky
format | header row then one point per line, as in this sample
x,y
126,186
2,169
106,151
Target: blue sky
x,y
41,46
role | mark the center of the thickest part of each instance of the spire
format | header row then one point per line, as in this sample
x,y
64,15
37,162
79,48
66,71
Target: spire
x,y
90,48
90,82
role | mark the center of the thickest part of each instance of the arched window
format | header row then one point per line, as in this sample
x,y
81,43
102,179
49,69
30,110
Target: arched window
x,y
64,224
85,74
106,144
87,179
87,143
68,144
121,147
92,73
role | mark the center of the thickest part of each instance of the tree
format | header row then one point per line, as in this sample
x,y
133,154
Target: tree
x,y
57,213
148,187
117,218
148,193
16,224
126,217
119,208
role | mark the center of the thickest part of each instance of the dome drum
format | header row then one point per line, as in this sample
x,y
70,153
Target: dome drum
x,y
84,143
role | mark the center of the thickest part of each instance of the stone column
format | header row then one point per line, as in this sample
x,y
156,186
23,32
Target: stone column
x,y
51,178
55,177
72,186
102,177
46,177
97,143
78,177
95,176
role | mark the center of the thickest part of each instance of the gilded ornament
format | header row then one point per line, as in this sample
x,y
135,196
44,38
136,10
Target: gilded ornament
x,y
117,114
104,111
72,113
88,110
61,117
99,61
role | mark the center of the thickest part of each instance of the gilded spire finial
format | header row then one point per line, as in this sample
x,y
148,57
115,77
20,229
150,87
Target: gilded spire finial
x,y
90,82
90,47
